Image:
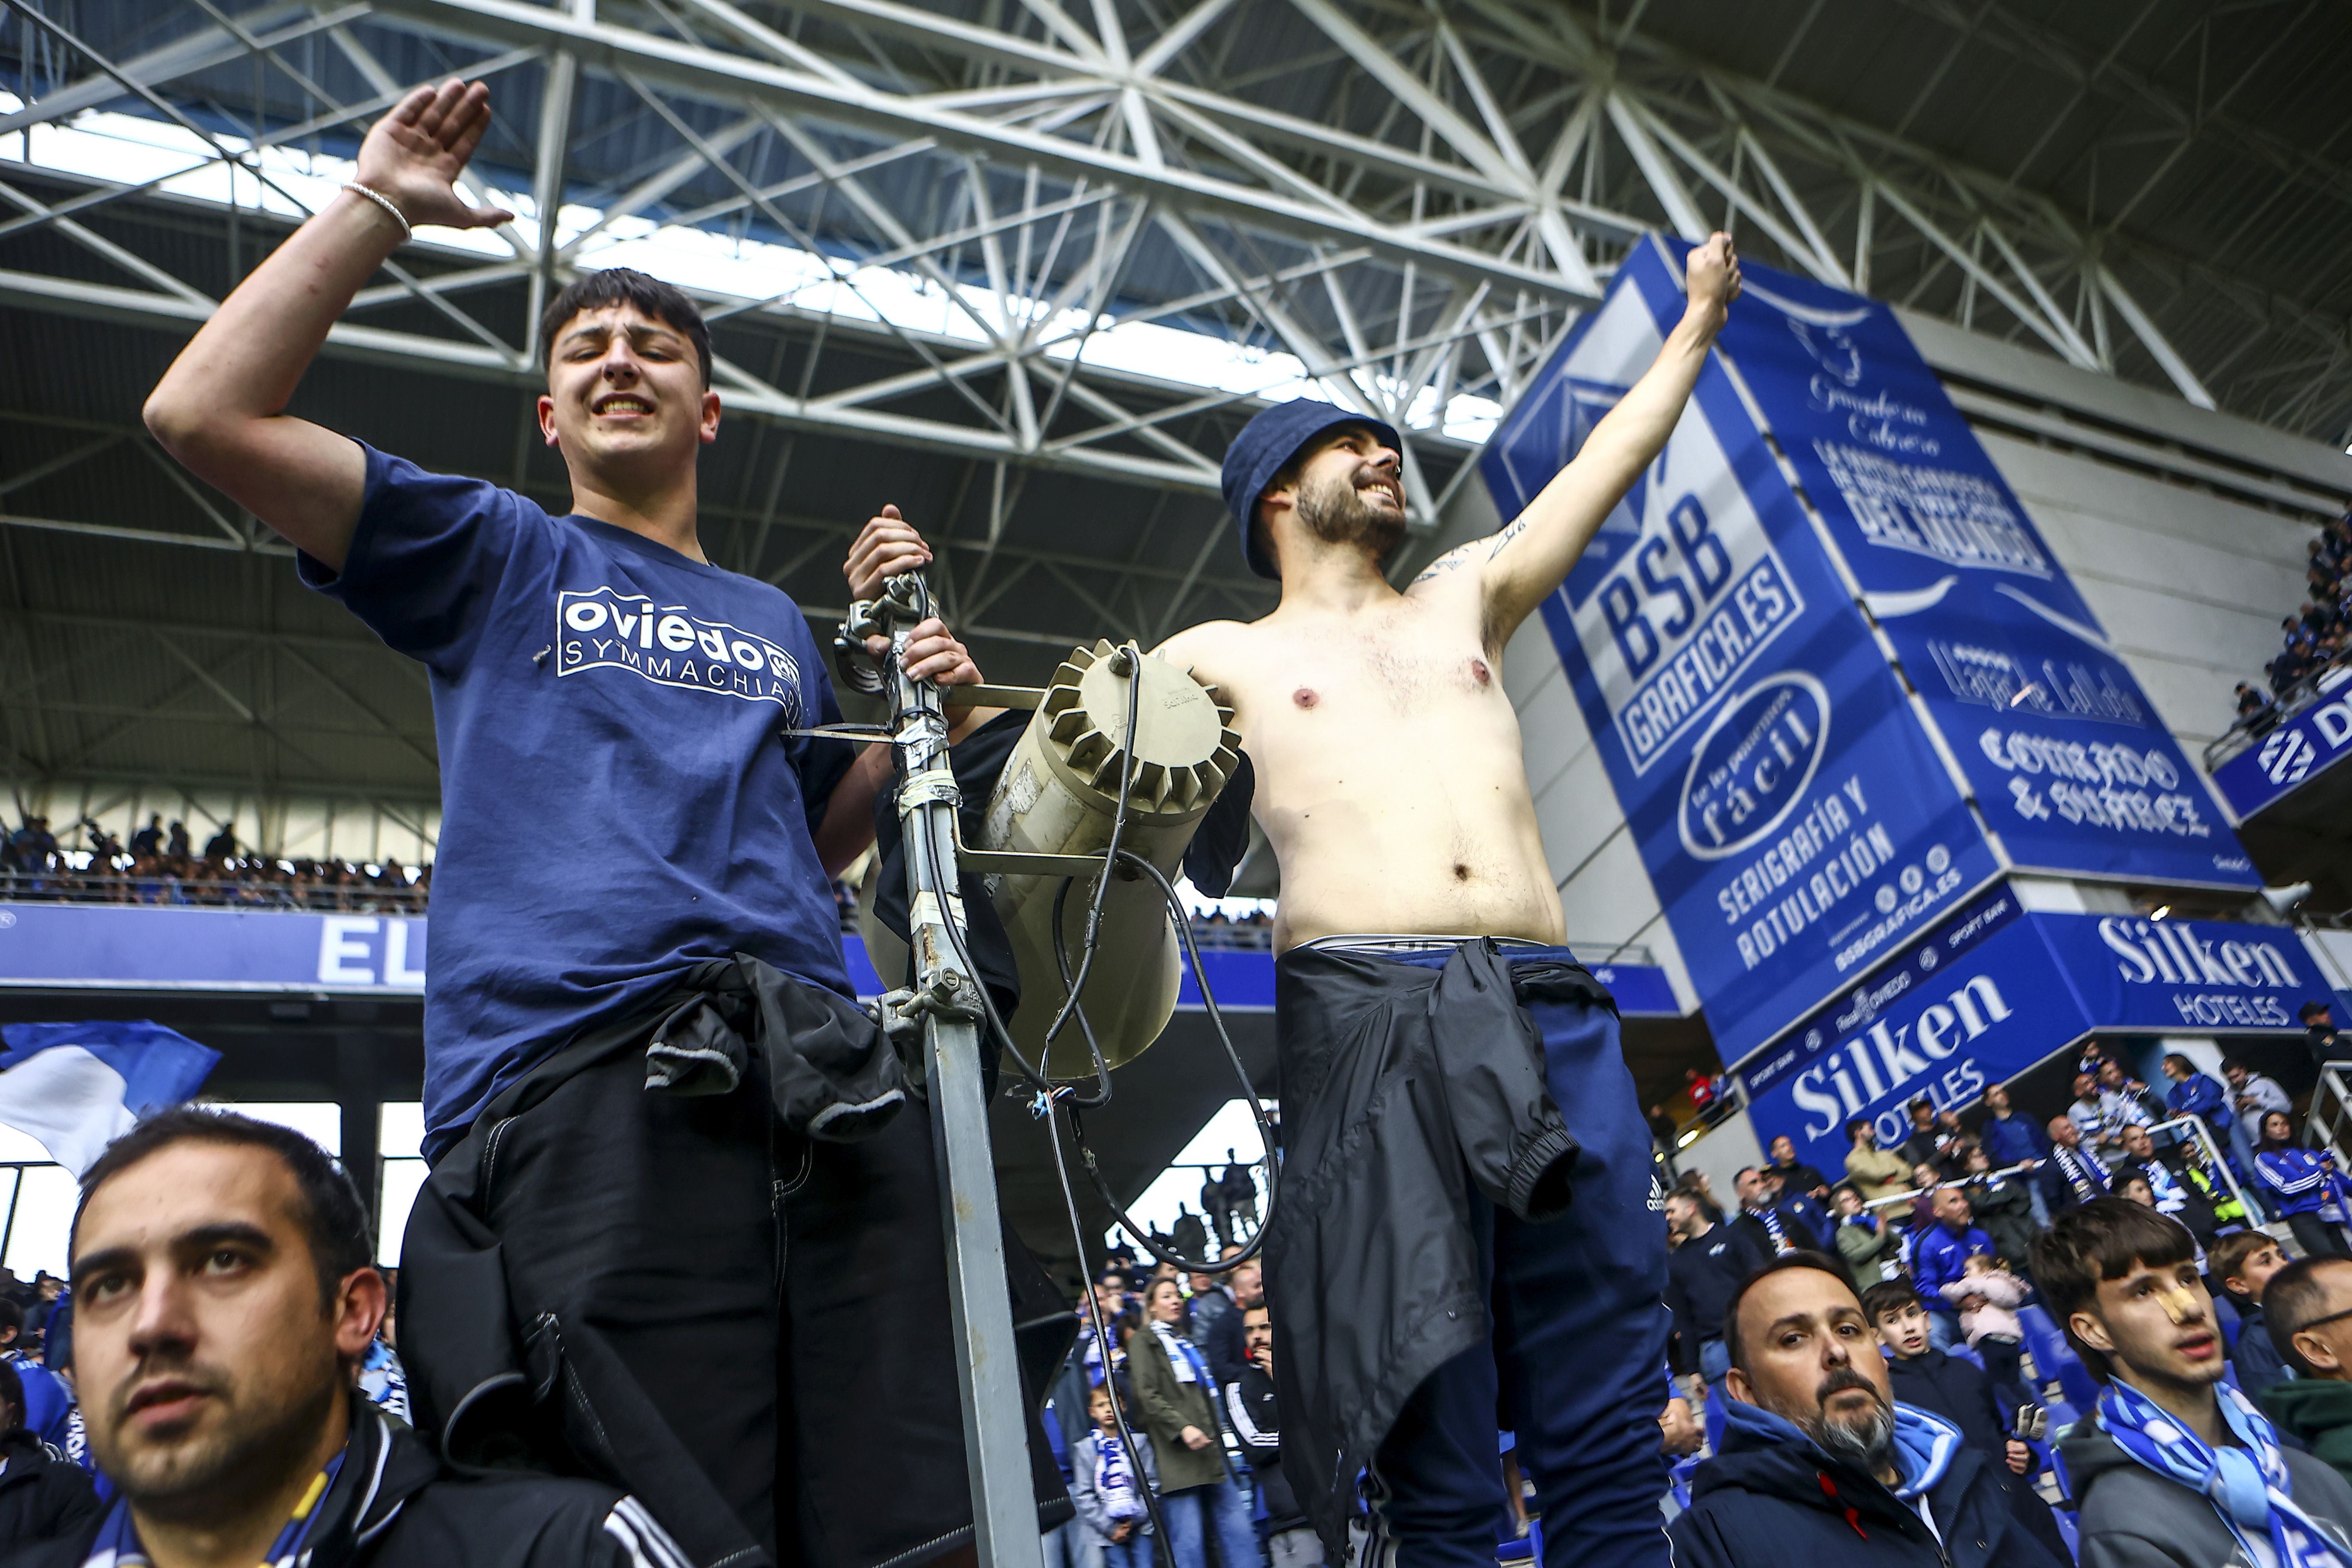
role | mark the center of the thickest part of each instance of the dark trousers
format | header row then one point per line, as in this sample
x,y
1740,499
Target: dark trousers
x,y
2318,1238
1576,1360
771,1309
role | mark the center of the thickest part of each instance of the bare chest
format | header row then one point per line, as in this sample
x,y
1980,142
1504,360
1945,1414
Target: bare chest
x,y
1309,680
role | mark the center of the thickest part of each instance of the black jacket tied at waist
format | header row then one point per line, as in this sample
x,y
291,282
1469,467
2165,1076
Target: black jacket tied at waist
x,y
1403,1088
494,1378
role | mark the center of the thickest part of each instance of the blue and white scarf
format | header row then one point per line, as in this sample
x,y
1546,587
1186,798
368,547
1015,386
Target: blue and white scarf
x,y
2088,1180
1183,1360
2249,1487
1115,1478
1771,1219
1925,1444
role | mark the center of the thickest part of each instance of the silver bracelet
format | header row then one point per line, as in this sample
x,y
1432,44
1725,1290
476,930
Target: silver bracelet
x,y
379,199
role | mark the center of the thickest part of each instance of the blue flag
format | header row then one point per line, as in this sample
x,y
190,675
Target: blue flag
x,y
78,1086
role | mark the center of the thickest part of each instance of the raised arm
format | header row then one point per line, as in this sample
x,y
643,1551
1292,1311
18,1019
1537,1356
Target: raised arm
x,y
221,408
1531,556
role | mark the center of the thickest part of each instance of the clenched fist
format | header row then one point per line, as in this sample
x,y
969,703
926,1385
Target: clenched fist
x,y
1712,275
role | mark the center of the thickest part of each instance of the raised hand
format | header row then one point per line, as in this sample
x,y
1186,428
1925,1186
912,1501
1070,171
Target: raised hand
x,y
1712,274
885,547
413,155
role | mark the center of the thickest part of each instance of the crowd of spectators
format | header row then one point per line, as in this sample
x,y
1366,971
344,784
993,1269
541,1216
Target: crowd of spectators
x,y
1934,1251
1251,932
2314,635
161,866
1185,1363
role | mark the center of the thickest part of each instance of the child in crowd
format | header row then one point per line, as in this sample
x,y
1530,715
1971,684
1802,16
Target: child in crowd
x,y
1988,1296
1926,1378
2243,1261
1108,1492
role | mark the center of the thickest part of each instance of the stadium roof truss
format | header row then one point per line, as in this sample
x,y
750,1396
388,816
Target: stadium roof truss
x,y
953,228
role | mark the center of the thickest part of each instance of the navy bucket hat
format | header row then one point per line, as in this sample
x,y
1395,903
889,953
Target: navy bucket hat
x,y
1271,440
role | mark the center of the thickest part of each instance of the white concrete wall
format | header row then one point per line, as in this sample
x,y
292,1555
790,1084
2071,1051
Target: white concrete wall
x,y
2190,583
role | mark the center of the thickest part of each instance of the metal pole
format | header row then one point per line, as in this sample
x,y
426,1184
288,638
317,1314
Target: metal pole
x,y
980,1301
8,1232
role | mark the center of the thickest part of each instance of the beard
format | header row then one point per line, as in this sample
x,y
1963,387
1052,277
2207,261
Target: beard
x,y
242,1453
1867,1442
1334,511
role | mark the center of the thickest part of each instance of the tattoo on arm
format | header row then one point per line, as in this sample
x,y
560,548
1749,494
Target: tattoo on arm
x,y
1506,535
1451,561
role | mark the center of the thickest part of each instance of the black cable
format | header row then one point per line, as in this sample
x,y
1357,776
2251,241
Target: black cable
x,y
1094,1047
1068,1098
1164,1549
1265,1128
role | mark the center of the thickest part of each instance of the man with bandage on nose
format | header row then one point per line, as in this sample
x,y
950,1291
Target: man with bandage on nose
x,y
2175,1467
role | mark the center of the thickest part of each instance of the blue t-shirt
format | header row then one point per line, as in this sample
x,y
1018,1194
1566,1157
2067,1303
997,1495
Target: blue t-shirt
x,y
617,803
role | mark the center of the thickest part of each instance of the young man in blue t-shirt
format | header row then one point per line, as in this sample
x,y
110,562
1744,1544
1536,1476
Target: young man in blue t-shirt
x,y
597,682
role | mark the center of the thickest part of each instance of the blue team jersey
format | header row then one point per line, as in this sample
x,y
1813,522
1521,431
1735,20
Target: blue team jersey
x,y
618,801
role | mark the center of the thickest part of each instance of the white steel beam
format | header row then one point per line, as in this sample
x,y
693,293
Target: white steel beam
x,y
735,79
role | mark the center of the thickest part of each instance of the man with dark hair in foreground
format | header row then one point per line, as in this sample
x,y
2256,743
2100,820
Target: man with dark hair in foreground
x,y
658,1025
1820,1467
224,1297
2175,1469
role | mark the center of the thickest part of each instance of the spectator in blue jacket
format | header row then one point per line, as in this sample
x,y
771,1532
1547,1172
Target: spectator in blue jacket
x,y
2009,1135
2010,1138
2252,1096
47,1409
2194,1094
1940,1257
2304,1185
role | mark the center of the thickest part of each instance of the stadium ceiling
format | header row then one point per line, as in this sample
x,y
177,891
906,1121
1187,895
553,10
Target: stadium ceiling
x,y
1022,265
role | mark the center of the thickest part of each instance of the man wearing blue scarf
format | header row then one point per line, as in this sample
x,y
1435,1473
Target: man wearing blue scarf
x,y
1820,1467
2176,1469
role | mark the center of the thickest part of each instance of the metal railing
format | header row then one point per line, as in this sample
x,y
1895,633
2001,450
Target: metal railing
x,y
2305,693
2187,1127
2330,1116
237,892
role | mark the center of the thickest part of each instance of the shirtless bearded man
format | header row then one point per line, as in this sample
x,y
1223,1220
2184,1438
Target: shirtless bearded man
x,y
1412,1289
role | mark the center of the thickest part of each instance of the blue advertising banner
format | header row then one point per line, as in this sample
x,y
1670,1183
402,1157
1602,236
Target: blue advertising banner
x,y
1979,1001
2066,756
2174,974
115,947
2309,743
130,947
1996,989
1795,820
